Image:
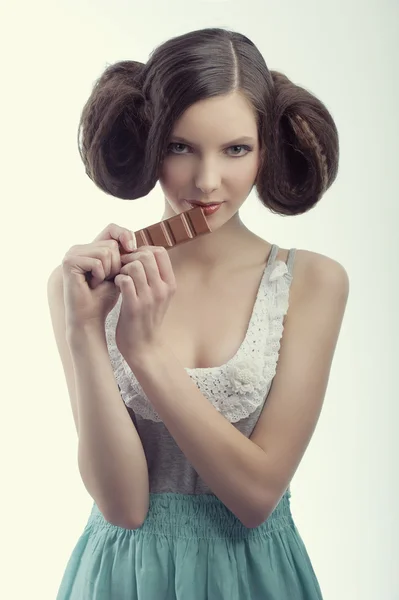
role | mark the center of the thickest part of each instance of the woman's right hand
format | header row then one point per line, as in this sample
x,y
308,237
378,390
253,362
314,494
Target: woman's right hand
x,y
88,274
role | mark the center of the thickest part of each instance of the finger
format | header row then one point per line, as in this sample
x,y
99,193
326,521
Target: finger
x,y
136,271
110,256
122,235
107,251
80,266
165,268
149,263
114,258
126,286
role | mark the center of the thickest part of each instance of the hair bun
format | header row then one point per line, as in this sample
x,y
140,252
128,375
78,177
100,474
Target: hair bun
x,y
304,160
113,131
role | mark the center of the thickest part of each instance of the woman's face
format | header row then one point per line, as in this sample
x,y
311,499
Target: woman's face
x,y
212,157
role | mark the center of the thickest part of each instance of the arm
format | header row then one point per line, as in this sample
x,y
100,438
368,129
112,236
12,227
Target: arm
x,y
111,458
250,475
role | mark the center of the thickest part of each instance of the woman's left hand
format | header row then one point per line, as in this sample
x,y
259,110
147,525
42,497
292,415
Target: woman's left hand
x,y
147,284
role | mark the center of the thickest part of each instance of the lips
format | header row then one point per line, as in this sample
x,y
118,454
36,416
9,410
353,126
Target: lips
x,y
207,209
203,204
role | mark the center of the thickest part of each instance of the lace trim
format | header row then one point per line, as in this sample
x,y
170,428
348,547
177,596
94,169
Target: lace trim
x,y
237,388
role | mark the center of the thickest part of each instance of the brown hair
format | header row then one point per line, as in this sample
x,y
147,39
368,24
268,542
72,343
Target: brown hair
x,y
128,118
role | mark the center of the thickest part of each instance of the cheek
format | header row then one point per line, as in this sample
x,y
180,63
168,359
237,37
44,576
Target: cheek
x,y
243,175
173,174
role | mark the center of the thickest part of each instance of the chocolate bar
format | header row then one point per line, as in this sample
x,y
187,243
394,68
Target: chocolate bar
x,y
176,230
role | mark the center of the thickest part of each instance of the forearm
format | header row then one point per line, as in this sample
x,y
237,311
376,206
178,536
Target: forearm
x,y
111,458
229,463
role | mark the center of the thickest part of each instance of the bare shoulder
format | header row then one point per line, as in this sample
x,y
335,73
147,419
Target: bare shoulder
x,y
314,274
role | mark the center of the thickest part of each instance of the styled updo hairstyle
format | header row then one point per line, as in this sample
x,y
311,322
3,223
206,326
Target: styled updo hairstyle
x,y
127,121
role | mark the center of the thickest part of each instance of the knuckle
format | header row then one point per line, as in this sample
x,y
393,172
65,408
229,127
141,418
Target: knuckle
x,y
136,265
69,256
160,294
165,291
65,260
144,252
105,251
113,244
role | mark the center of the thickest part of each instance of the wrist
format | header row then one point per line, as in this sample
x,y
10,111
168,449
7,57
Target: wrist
x,y
146,359
83,335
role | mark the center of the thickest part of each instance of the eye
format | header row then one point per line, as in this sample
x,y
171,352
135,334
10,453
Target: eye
x,y
172,147
240,148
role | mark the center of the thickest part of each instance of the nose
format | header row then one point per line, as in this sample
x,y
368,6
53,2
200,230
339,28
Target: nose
x,y
207,178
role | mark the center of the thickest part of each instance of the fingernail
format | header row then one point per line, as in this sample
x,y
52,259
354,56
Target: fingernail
x,y
130,245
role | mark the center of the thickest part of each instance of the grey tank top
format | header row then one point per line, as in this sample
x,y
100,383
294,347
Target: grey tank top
x,y
238,389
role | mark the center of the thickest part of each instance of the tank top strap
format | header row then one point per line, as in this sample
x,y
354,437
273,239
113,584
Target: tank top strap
x,y
272,254
290,258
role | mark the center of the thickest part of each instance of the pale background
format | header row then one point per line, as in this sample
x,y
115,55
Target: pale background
x,y
345,491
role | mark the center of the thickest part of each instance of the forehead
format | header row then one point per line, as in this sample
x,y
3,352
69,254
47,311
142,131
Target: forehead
x,y
221,117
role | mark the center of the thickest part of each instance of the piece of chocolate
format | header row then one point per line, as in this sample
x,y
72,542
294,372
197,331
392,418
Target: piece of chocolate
x,y
176,230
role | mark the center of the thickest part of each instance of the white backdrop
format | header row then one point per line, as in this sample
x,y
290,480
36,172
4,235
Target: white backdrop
x,y
344,493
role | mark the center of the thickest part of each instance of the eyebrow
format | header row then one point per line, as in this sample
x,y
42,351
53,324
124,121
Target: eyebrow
x,y
241,140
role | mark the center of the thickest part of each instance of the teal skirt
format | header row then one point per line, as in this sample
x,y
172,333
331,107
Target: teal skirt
x,y
190,547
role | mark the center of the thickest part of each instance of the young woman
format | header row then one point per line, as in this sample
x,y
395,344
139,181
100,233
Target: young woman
x,y
222,384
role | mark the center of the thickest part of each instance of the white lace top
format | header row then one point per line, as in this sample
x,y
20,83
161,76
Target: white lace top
x,y
238,389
